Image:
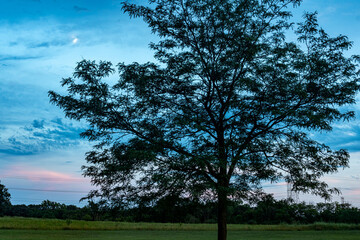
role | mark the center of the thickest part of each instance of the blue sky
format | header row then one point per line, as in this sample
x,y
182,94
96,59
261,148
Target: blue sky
x,y
41,41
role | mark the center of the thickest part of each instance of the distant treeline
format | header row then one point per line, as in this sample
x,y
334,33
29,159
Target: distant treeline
x,y
175,209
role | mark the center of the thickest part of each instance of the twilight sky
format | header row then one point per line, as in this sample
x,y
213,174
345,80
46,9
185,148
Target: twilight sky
x,y
41,41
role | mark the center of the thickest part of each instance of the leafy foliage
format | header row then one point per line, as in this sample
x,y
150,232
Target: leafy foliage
x,y
4,199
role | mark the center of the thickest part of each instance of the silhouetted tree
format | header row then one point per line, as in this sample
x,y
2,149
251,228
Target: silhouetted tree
x,y
4,199
229,104
97,209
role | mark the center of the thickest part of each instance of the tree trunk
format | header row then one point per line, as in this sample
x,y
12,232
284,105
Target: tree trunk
x,y
222,215
223,184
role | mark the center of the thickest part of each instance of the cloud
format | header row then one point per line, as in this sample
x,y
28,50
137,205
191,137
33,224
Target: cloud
x,y
29,39
41,136
38,124
16,58
345,135
354,192
47,44
36,174
80,9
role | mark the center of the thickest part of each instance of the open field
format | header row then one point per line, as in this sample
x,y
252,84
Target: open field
x,y
175,235
54,224
15,228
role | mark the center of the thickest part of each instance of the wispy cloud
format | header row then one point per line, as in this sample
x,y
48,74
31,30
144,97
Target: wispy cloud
x,y
80,9
344,135
47,44
39,174
41,136
38,123
354,192
16,58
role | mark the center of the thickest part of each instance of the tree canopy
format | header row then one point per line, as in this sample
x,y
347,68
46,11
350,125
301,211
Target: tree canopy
x,y
228,104
4,199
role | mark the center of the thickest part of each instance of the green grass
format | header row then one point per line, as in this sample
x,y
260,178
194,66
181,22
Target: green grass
x,y
54,224
175,235
16,228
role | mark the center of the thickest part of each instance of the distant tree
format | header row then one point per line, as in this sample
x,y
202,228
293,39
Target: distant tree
x,y
97,209
229,104
4,199
50,205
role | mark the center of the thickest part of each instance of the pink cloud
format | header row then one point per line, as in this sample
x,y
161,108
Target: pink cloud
x,y
353,192
331,180
39,175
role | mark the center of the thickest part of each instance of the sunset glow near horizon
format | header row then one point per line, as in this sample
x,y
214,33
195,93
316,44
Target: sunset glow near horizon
x,y
41,153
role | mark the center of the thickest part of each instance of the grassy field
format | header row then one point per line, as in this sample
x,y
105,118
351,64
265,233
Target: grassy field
x,y
54,224
175,235
50,229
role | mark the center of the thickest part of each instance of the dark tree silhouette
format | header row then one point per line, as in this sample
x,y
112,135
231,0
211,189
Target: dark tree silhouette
x,y
4,199
229,104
